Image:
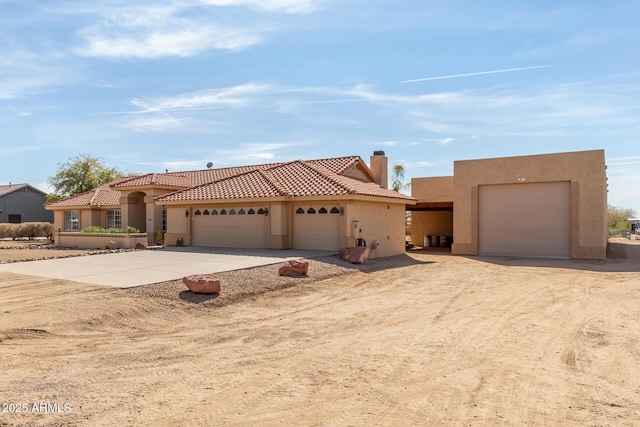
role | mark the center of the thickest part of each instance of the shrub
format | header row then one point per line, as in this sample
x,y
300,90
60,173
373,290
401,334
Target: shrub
x,y
28,230
102,230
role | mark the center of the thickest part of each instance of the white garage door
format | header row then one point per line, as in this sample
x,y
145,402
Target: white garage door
x,y
316,227
525,219
229,228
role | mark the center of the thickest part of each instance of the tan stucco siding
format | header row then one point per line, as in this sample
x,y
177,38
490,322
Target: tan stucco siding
x,y
432,189
585,170
430,223
382,223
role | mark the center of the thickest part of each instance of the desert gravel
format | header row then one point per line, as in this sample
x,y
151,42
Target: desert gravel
x,y
247,283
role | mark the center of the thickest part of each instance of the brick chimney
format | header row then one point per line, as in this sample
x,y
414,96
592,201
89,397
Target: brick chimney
x,y
379,165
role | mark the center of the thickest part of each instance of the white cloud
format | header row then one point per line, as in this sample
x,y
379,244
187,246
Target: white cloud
x,y
253,152
288,6
236,96
179,29
158,44
446,141
157,125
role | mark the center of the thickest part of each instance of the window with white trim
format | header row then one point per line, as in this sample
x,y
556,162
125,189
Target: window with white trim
x,y
71,222
114,219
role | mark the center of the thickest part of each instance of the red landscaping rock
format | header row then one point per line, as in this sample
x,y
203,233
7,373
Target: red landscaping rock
x,y
354,254
294,268
202,283
140,246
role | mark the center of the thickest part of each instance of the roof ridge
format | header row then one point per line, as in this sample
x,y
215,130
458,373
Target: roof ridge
x,y
327,174
215,181
94,195
273,180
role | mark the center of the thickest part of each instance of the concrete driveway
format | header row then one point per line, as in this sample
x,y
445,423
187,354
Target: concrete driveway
x,y
130,269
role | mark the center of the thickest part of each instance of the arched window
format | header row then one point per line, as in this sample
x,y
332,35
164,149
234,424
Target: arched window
x,y
223,212
260,211
206,212
322,211
198,212
252,212
241,212
232,212
311,211
300,211
335,210
214,212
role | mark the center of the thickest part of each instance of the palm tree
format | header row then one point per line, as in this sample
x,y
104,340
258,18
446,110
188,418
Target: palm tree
x,y
397,178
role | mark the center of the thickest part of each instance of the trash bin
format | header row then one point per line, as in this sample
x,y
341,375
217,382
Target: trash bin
x,y
427,241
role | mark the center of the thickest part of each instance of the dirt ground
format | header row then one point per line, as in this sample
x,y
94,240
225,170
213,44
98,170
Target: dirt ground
x,y
422,339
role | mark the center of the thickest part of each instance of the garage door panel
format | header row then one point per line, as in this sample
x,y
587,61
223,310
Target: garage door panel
x,y
315,231
525,219
229,231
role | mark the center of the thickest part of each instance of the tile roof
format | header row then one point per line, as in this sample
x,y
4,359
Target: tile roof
x,y
293,179
102,196
320,177
155,179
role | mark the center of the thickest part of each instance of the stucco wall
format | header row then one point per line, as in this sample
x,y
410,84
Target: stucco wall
x,y
432,189
585,170
430,223
98,241
380,222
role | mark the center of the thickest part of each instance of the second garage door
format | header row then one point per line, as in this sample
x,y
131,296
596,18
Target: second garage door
x,y
316,227
525,219
229,228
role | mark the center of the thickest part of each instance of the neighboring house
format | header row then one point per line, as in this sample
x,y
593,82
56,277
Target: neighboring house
x,y
23,203
322,204
550,205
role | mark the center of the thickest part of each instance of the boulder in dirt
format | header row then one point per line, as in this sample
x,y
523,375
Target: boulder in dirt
x,y
202,283
294,268
354,254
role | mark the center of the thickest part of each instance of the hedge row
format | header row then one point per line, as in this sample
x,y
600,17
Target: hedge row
x,y
28,230
102,230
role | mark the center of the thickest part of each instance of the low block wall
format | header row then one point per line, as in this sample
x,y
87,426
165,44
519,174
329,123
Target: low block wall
x,y
98,241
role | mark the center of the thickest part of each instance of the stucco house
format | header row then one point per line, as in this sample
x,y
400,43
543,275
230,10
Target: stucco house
x,y
322,204
549,205
23,203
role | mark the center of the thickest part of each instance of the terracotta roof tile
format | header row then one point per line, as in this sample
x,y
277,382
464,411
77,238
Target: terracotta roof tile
x,y
102,196
159,179
246,185
294,179
321,177
337,165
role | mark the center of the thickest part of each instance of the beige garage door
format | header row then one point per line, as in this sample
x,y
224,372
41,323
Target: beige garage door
x,y
316,227
525,219
229,228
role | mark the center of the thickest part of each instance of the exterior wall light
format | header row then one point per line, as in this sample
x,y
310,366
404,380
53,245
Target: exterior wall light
x,y
341,210
522,179
266,211
186,213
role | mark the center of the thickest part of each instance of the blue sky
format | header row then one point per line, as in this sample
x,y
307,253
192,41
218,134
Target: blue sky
x,y
148,86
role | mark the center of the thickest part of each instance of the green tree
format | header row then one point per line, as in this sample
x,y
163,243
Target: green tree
x,y
397,178
617,218
80,174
